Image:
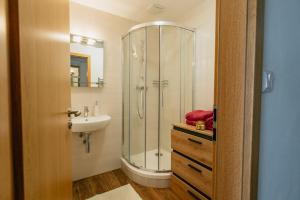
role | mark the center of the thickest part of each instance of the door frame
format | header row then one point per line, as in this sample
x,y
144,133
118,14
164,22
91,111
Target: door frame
x,y
6,171
238,76
239,24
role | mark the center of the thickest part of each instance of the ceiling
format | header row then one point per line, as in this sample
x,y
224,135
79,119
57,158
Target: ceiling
x,y
143,10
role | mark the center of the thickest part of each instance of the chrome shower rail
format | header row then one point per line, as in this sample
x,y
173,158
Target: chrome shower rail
x,y
157,23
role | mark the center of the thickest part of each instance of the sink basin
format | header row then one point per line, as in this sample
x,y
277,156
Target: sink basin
x,y
89,124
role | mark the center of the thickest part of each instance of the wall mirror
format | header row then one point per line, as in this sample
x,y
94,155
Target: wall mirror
x,y
87,62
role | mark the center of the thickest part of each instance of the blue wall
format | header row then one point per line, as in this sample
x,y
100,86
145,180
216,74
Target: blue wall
x,y
279,168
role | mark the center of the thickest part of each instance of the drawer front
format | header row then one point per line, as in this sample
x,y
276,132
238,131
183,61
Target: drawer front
x,y
197,148
193,173
184,191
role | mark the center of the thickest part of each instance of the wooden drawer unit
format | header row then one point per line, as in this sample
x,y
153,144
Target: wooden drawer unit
x,y
185,191
192,162
196,174
195,147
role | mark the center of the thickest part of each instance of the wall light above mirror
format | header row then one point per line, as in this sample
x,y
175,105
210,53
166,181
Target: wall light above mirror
x,y
87,61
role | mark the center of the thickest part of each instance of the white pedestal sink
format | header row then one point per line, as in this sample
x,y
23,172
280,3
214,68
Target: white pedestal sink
x,y
89,124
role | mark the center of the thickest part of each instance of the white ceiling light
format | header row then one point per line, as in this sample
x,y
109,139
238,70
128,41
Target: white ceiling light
x,y
76,38
91,42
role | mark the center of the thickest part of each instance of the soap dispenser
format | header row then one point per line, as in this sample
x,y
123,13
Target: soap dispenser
x,y
96,109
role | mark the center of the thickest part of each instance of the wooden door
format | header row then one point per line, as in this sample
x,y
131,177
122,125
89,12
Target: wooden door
x,y
40,60
239,60
5,131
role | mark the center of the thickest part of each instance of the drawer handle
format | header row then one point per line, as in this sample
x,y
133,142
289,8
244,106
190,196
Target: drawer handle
x,y
195,168
193,195
195,141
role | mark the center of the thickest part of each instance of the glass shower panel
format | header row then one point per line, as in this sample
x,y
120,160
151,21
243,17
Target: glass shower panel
x,y
187,70
152,97
126,93
170,88
158,73
137,97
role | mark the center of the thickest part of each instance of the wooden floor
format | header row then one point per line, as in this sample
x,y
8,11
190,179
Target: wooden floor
x,y
89,187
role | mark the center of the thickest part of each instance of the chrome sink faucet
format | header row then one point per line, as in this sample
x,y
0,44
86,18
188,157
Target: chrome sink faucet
x,y
86,111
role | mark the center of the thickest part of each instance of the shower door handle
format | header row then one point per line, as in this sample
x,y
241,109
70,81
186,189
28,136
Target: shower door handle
x,y
162,97
164,84
140,101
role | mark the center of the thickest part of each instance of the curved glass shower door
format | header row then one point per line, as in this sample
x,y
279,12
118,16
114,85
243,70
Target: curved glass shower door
x,y
157,91
137,97
176,72
152,98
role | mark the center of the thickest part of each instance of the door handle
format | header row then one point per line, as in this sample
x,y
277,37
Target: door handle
x,y
76,113
70,112
70,125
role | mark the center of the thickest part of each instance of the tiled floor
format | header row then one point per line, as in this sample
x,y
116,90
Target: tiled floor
x,y
89,187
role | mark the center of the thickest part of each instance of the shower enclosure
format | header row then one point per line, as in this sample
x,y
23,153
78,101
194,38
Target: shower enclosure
x,y
158,60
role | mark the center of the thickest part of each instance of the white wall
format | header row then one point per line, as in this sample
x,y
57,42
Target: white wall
x,y
106,144
203,18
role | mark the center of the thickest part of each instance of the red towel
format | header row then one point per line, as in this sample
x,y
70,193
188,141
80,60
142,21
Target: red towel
x,y
198,115
209,123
